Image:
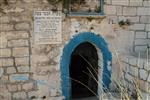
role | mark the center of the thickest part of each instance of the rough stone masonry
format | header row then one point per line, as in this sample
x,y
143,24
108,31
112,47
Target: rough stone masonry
x,y
32,71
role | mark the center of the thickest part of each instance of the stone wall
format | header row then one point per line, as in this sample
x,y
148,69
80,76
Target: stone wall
x,y
135,42
17,76
137,12
29,70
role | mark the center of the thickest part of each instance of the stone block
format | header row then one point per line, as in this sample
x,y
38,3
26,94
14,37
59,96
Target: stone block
x,y
12,87
29,1
143,74
129,77
18,43
143,11
4,78
20,51
17,35
4,19
27,86
14,10
140,49
137,27
3,39
23,69
119,10
146,3
6,27
143,85
145,19
11,70
107,1
18,77
6,62
133,71
146,66
141,35
5,52
22,62
114,19
135,2
22,26
142,41
130,11
120,2
1,71
148,34
148,79
147,27
20,96
110,10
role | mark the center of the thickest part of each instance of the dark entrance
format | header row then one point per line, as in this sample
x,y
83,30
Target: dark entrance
x,y
84,70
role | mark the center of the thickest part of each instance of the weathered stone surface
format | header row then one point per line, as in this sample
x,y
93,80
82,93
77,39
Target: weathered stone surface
x,y
6,62
143,11
11,70
141,34
17,43
143,74
22,26
143,85
1,71
3,39
119,10
148,27
146,3
22,62
23,69
6,27
148,34
20,51
17,35
4,19
120,2
14,10
110,10
148,78
137,27
5,52
129,11
12,87
133,71
141,42
4,93
28,86
140,49
19,96
129,77
136,2
29,1
145,19
107,1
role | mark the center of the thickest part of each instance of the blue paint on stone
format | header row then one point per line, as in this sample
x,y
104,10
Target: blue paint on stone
x,y
96,40
20,78
41,82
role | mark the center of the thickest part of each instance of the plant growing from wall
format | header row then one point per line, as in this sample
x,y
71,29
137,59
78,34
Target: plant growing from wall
x,y
124,22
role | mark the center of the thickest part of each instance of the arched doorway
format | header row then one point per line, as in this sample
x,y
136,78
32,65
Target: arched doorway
x,y
91,39
84,71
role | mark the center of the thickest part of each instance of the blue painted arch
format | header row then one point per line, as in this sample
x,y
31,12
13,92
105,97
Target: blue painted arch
x,y
100,43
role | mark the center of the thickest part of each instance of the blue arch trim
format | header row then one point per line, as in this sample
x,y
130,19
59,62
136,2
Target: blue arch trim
x,y
100,43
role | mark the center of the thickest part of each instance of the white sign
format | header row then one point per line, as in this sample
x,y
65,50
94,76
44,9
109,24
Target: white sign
x,y
47,27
